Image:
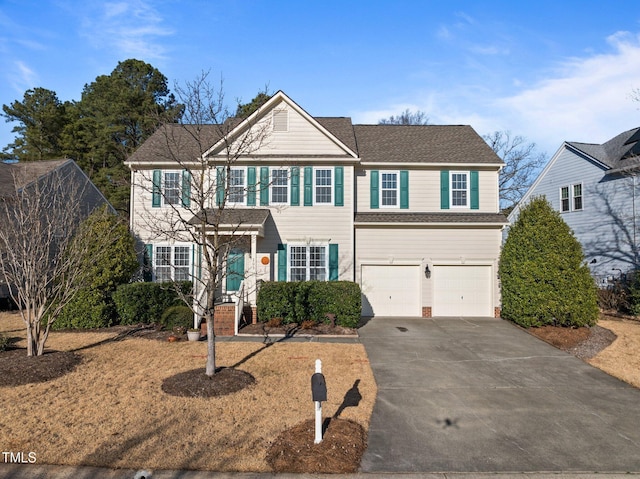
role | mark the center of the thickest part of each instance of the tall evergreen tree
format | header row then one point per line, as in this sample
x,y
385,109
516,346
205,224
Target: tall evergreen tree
x,y
41,117
544,277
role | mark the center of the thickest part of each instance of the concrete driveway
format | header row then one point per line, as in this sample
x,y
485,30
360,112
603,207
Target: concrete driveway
x,y
480,395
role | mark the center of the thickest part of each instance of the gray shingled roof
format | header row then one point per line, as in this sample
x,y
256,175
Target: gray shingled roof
x,y
448,217
422,144
233,216
17,175
620,152
373,143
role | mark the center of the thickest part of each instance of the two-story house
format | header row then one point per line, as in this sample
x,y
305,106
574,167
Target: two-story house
x,y
409,212
594,188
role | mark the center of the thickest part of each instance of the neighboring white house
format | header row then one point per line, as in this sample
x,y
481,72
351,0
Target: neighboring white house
x,y
411,213
594,187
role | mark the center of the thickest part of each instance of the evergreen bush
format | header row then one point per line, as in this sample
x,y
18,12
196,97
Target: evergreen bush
x,y
145,302
545,280
177,316
92,306
296,302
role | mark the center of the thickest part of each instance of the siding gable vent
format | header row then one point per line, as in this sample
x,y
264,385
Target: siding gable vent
x,y
280,120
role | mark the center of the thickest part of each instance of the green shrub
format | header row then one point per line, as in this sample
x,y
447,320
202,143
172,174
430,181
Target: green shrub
x,y
297,302
177,316
545,280
92,306
4,342
89,309
145,302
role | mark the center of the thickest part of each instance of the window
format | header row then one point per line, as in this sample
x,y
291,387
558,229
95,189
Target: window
x,y
577,197
172,181
388,189
280,186
307,263
237,185
564,199
172,263
323,186
459,189
571,198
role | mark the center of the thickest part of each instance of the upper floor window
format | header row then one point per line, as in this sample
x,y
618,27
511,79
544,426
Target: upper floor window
x,y
279,186
459,189
172,263
323,186
571,198
388,189
237,185
172,182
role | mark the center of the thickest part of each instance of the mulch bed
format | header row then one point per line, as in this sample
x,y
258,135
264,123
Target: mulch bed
x,y
584,342
340,451
293,329
196,383
17,369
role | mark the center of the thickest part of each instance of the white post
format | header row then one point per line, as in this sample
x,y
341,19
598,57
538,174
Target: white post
x,y
318,438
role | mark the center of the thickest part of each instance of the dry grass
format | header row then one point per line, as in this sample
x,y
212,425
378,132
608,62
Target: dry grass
x,y
111,411
622,358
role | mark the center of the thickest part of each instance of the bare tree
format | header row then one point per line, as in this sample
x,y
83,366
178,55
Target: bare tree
x,y
407,117
202,147
522,163
41,259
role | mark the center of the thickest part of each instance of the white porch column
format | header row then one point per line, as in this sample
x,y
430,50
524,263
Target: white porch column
x,y
252,282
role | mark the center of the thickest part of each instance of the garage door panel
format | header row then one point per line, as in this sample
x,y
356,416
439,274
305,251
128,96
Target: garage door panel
x,y
462,291
392,290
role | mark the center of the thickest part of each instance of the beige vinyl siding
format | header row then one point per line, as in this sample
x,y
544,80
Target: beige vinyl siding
x,y
429,246
424,189
301,138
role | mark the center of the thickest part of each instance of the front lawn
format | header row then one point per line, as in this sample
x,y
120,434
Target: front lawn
x,y
111,410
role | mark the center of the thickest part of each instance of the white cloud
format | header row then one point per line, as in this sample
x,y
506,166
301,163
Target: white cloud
x,y
134,28
21,77
588,99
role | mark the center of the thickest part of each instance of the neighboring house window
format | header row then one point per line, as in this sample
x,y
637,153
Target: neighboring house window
x,y
308,263
323,186
172,182
237,185
172,263
459,189
571,198
388,189
577,197
280,186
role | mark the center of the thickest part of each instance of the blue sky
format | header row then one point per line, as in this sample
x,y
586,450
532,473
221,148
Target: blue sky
x,y
548,70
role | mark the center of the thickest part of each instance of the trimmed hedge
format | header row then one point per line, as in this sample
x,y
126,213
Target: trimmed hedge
x,y
296,302
146,302
175,316
89,309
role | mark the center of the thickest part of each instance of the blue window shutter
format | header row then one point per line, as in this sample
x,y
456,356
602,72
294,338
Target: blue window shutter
x,y
220,184
339,186
475,192
156,199
147,273
333,262
264,185
308,186
444,189
282,262
375,190
295,186
251,186
404,190
186,188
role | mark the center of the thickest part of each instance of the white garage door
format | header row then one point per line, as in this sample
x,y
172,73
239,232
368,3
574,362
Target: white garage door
x,y
391,290
462,291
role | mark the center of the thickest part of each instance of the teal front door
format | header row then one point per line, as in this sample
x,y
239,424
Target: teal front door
x,y
235,269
